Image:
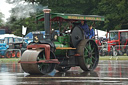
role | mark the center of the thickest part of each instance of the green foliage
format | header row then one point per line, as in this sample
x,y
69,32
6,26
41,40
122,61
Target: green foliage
x,y
115,12
16,25
1,20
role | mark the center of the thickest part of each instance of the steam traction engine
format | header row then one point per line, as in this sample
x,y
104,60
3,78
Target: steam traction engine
x,y
63,51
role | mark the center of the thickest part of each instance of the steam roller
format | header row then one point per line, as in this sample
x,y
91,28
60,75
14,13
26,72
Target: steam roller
x,y
59,51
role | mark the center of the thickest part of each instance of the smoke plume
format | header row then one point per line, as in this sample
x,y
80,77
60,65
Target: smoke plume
x,y
24,9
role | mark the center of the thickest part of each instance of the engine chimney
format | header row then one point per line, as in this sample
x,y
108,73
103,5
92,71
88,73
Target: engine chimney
x,y
47,23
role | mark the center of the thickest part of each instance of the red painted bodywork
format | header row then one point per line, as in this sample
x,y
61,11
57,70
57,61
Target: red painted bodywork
x,y
112,43
116,42
46,47
42,61
98,42
38,46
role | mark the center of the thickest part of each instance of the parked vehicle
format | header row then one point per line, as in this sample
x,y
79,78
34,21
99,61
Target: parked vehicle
x,y
3,48
13,49
117,43
2,31
7,47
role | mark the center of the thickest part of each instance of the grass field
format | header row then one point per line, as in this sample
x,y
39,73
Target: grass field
x,y
113,57
9,60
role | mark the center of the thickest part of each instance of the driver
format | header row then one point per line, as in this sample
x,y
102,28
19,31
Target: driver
x,y
85,27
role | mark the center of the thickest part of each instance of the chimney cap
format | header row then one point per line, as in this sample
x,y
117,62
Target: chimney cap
x,y
46,10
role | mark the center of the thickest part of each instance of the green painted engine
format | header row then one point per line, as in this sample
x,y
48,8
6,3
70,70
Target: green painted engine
x,y
59,51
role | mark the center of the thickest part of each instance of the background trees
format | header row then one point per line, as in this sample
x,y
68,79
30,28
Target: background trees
x,y
115,12
1,20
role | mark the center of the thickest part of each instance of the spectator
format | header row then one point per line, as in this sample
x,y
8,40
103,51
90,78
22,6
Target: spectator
x,y
92,33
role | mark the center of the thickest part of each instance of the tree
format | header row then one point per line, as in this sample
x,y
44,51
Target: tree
x,y
115,11
16,25
23,14
1,20
68,6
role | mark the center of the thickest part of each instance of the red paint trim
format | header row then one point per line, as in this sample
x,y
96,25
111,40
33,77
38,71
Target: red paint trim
x,y
45,46
77,55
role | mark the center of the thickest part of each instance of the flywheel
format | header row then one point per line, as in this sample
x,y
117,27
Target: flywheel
x,y
77,35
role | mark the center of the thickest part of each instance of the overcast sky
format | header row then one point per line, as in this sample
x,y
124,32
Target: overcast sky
x,y
4,8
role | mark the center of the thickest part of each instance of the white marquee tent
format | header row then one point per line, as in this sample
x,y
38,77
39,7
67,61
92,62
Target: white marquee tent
x,y
100,33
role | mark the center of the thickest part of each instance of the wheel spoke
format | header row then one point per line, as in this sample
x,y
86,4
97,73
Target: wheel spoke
x,y
93,53
86,61
47,69
85,53
91,61
43,57
42,65
89,46
92,50
93,57
86,49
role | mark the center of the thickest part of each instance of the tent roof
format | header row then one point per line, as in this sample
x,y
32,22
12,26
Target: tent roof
x,y
100,33
30,34
2,36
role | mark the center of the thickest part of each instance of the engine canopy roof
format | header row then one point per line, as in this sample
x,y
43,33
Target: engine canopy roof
x,y
71,17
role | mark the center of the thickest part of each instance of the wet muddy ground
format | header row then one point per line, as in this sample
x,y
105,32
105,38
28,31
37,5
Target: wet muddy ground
x,y
108,72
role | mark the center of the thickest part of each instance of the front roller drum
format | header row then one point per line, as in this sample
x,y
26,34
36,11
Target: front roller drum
x,y
89,54
34,56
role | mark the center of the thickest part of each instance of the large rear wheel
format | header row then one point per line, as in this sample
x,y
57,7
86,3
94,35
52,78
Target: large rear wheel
x,y
36,68
89,55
